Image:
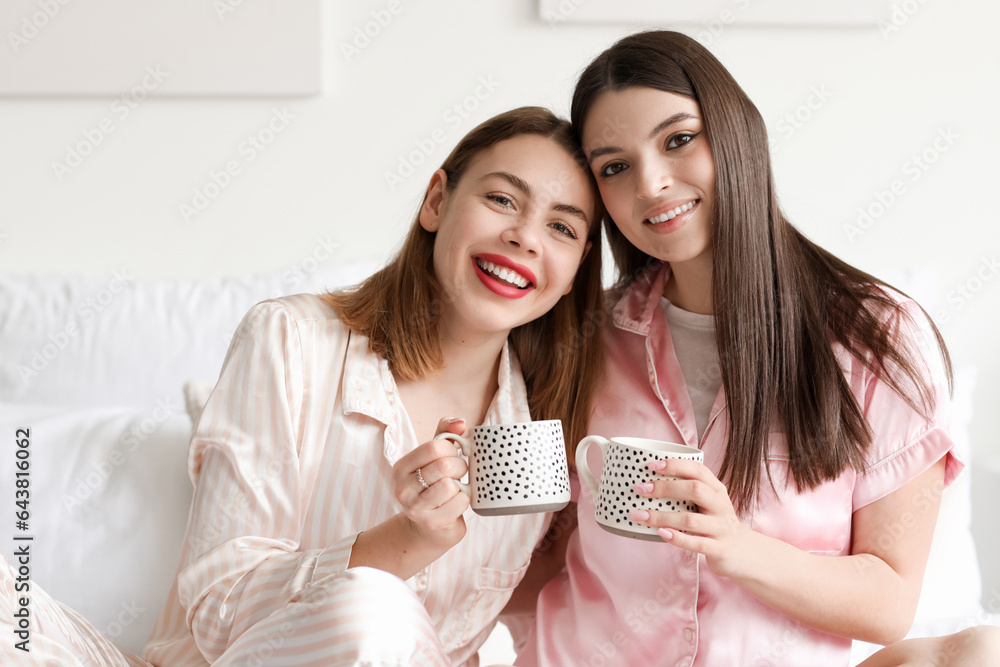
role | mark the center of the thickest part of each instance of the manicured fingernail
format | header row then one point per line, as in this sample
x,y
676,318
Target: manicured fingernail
x,y
657,465
645,487
665,534
454,420
639,515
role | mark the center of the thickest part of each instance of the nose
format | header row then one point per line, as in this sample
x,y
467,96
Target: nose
x,y
523,233
652,178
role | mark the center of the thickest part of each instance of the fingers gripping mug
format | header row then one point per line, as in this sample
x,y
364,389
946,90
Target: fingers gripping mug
x,y
626,462
515,468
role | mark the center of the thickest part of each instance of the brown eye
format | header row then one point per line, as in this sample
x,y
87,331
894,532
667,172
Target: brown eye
x,y
612,169
679,140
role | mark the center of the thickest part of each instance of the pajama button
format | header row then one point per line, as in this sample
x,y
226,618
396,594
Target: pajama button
x,y
688,634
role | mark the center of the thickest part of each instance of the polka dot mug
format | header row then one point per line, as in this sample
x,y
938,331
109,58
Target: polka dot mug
x,y
626,462
516,468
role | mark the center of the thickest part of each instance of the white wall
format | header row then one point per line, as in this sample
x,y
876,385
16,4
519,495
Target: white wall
x,y
887,97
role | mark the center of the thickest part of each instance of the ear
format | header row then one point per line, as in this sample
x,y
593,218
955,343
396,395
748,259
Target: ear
x,y
586,251
433,206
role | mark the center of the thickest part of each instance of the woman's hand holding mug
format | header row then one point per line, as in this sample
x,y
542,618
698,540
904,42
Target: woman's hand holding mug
x,y
656,490
426,483
715,530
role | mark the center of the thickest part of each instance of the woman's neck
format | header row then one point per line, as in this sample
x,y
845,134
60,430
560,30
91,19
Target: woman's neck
x,y
463,387
690,285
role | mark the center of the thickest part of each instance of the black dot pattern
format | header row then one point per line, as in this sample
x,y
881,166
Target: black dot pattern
x,y
518,464
624,467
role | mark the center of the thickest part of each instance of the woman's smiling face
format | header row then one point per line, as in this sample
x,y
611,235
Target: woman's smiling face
x,y
511,234
648,150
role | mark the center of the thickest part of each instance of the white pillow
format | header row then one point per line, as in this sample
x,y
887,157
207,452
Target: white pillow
x,y
196,393
110,497
116,339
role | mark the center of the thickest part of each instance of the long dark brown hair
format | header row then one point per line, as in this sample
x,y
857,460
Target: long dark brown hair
x,y
781,302
560,353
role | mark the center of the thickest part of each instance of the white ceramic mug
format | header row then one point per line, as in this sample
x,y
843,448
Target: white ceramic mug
x,y
626,463
515,468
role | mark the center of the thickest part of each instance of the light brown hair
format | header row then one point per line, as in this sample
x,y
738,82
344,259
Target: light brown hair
x,y
560,353
780,301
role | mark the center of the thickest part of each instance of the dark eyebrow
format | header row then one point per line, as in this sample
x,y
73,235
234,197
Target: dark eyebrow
x,y
572,210
518,183
676,118
603,150
524,187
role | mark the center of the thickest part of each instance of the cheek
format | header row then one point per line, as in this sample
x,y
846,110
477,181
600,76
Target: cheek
x,y
564,269
615,198
706,173
444,245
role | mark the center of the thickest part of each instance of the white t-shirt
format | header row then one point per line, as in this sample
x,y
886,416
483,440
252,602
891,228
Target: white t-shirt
x,y
693,335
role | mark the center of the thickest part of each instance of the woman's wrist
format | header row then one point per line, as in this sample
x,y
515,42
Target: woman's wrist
x,y
746,559
424,543
395,546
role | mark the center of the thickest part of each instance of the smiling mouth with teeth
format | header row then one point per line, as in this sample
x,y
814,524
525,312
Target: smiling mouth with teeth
x,y
503,274
673,213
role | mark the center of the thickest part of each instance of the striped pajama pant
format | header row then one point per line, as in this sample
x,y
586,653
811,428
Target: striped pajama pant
x,y
361,617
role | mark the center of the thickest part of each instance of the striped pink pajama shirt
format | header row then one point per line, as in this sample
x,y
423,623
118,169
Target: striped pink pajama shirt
x,y
291,460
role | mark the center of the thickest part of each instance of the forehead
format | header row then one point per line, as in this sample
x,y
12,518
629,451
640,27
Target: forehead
x,y
631,114
529,154
550,170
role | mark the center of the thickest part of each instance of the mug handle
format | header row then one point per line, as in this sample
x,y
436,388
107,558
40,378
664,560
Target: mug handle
x,y
466,446
582,467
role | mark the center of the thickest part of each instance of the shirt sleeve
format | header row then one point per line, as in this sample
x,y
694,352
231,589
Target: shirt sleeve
x,y
240,560
905,443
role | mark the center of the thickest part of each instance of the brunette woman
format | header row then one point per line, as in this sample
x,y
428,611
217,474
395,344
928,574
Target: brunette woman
x,y
819,402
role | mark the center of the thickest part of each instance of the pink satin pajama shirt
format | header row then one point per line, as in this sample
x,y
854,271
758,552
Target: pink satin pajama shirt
x,y
622,601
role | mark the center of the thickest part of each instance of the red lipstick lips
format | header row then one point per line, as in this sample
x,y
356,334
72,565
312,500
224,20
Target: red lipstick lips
x,y
493,282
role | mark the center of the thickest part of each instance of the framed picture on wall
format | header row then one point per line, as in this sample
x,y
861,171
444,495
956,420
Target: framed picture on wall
x,y
678,13
178,47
